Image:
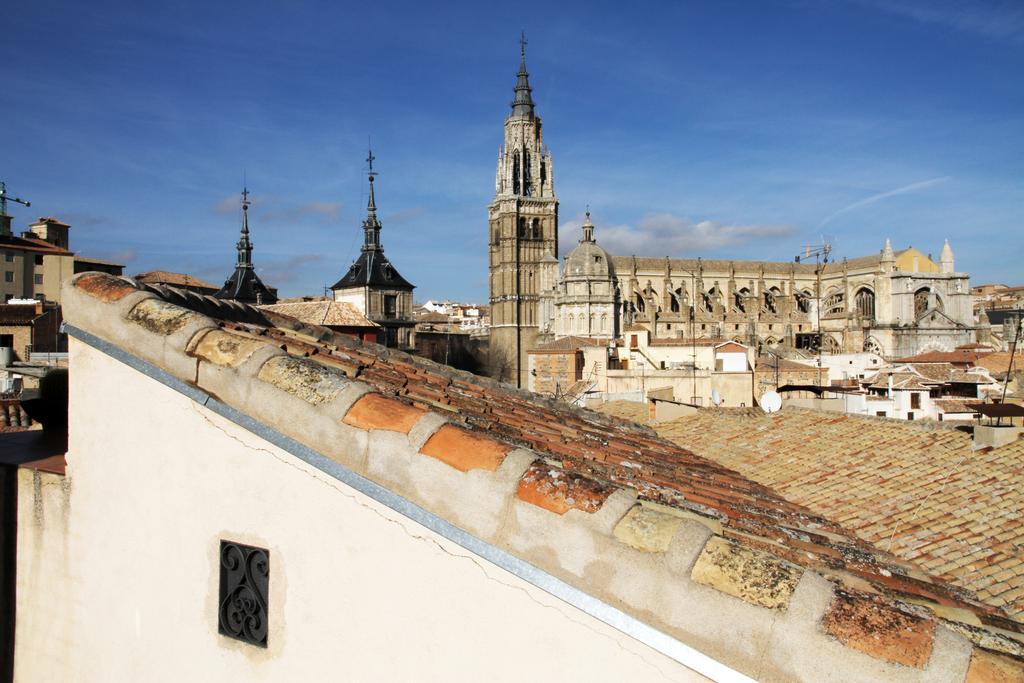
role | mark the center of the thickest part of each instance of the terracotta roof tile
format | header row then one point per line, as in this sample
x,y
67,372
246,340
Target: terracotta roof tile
x,y
465,450
374,411
908,486
875,627
103,287
559,491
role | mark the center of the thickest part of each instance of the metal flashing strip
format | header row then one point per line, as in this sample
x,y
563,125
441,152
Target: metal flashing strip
x,y
614,617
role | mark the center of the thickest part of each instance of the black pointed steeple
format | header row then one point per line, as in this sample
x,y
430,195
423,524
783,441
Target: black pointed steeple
x,y
372,268
522,105
244,285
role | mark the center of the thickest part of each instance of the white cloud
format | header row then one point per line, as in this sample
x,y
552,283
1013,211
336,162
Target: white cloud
x,y
664,234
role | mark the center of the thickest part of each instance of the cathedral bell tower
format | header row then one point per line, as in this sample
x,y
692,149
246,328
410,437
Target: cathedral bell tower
x,y
523,222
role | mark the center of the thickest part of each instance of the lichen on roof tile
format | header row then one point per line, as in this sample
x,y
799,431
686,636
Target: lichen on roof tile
x,y
160,317
867,623
751,575
302,378
559,491
646,529
226,349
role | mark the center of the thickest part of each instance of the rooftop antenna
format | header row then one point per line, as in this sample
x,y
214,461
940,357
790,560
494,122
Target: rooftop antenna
x,y
821,253
4,199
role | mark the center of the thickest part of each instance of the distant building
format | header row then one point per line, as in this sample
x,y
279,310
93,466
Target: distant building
x,y
31,326
638,366
375,287
34,264
167,278
338,316
891,303
244,285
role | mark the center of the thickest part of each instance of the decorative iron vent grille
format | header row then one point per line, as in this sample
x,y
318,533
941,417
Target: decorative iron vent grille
x,y
244,579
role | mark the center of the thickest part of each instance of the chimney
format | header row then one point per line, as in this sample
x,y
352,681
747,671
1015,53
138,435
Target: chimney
x,y
994,436
51,230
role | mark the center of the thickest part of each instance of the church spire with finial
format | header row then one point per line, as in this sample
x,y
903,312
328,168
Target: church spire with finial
x,y
522,104
244,245
244,284
371,226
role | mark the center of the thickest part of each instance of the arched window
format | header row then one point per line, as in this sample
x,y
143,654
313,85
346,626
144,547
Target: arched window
x,y
570,321
829,345
515,172
522,228
593,324
803,301
604,322
864,302
527,180
739,299
535,232
921,301
834,303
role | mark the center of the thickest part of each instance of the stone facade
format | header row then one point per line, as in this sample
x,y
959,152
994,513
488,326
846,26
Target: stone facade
x,y
893,303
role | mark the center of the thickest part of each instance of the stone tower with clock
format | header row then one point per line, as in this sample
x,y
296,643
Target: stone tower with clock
x,y
523,223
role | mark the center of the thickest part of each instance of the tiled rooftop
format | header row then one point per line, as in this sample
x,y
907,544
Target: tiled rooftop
x,y
328,313
917,489
571,468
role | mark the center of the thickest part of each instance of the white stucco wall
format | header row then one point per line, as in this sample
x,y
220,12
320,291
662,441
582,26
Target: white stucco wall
x,y
357,592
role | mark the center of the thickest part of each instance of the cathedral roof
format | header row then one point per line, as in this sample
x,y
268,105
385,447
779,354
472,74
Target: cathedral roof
x,y
625,264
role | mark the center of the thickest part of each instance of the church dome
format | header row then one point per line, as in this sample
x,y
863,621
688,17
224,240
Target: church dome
x,y
588,260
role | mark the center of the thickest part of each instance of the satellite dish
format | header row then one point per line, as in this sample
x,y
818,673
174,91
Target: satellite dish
x,y
771,402
716,398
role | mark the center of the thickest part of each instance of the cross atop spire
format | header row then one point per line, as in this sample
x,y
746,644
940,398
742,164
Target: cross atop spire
x,y
522,45
369,160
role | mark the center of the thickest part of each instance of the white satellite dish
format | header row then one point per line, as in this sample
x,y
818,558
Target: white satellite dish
x,y
771,402
716,398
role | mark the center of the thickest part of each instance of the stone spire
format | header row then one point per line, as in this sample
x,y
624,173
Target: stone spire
x,y
371,226
946,258
522,104
888,256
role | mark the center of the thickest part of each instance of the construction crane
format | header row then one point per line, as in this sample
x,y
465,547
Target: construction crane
x,y
821,253
4,199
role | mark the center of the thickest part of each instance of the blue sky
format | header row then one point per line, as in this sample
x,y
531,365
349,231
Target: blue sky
x,y
718,129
